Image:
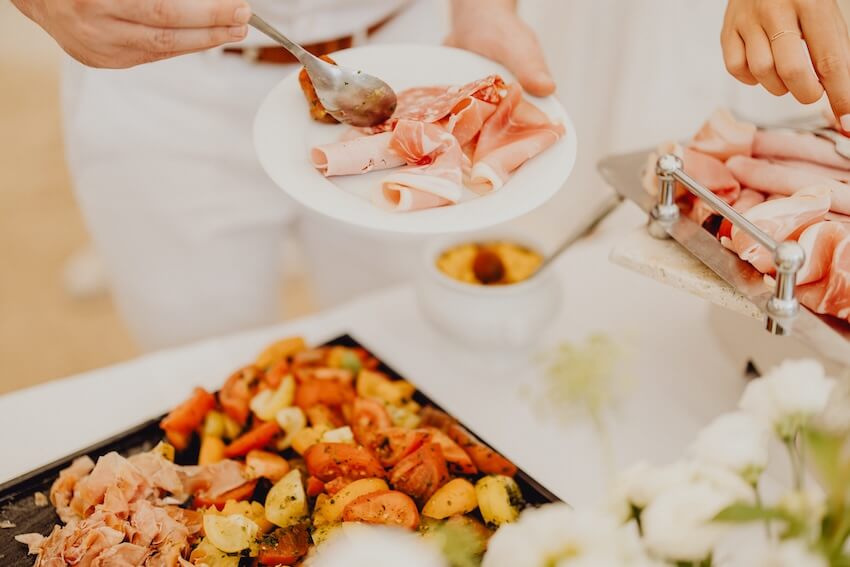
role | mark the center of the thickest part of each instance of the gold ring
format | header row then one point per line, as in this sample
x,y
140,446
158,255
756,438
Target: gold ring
x,y
777,35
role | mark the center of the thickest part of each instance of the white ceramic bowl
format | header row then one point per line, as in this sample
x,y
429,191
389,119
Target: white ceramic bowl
x,y
487,317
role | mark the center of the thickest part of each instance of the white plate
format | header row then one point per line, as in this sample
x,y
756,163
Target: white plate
x,y
284,134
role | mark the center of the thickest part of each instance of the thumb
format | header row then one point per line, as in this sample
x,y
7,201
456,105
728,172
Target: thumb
x,y
524,58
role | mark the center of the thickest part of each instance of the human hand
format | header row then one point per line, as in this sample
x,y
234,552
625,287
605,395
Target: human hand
x,y
124,33
761,44
493,29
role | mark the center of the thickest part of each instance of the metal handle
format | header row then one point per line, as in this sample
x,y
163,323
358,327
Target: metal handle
x,y
787,256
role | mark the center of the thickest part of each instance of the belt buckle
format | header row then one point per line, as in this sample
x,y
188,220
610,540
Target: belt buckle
x,y
251,53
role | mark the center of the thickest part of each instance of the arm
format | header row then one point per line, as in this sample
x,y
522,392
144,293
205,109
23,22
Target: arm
x,y
761,44
124,33
493,29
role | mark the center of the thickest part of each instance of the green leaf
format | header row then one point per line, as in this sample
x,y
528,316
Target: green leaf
x,y
824,453
746,513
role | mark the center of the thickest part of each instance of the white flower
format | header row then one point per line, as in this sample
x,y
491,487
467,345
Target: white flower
x,y
807,505
791,553
641,483
836,416
678,525
556,535
376,546
737,441
789,396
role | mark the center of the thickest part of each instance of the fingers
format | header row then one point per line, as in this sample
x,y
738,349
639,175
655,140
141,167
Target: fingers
x,y
735,57
183,13
760,60
790,56
823,32
156,42
524,58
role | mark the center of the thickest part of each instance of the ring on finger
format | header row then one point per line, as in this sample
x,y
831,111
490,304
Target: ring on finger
x,y
783,33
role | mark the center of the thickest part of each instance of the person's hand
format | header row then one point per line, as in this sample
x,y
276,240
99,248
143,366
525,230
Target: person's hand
x,y
492,28
761,44
124,33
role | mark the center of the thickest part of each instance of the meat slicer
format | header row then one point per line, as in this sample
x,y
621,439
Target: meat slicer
x,y
706,264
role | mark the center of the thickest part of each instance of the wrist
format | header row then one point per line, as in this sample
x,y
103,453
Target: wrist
x,y
461,7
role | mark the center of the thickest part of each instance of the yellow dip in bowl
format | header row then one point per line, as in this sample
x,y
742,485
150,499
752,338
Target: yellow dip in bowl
x,y
489,263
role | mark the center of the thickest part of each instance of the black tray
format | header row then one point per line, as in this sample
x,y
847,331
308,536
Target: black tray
x,y
17,497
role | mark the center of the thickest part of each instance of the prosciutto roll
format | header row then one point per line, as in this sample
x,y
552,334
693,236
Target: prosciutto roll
x,y
357,155
800,146
722,136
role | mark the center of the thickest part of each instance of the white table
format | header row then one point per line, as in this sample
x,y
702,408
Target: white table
x,y
682,376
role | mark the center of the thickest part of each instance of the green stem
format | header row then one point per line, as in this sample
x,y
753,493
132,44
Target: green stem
x,y
791,444
760,504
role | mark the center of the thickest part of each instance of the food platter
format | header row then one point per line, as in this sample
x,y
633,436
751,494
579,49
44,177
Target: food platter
x,y
20,505
284,134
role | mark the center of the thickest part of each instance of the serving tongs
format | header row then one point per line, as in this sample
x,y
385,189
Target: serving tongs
x,y
782,311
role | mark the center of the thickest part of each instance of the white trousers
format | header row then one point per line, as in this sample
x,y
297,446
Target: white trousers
x,y
188,225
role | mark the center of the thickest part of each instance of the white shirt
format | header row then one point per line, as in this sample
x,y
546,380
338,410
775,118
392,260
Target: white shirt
x,y
311,21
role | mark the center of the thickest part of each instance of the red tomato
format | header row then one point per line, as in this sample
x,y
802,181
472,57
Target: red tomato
x,y
244,492
486,459
322,415
725,229
368,361
284,546
330,392
421,473
367,418
337,484
387,507
327,461
235,396
459,462
309,358
257,438
189,415
392,444
261,464
274,375
314,486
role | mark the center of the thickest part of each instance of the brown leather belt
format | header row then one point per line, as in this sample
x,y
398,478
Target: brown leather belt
x,y
277,55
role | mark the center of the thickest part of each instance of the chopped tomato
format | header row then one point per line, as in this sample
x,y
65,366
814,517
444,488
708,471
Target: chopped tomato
x,y
327,461
240,493
309,358
189,415
284,546
329,392
178,439
321,415
458,460
421,473
261,464
392,444
486,459
387,507
337,484
369,362
314,486
725,229
432,417
257,438
367,418
274,375
235,396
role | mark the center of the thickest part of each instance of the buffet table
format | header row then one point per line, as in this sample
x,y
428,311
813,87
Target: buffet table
x,y
682,378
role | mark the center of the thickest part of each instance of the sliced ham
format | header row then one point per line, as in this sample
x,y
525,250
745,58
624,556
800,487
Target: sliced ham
x,y
773,178
467,118
819,242
841,175
707,170
831,295
355,156
516,132
723,136
800,146
782,219
435,177
114,483
63,487
215,479
430,104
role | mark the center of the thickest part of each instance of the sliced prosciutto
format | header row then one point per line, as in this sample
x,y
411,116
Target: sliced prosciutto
x,y
515,133
782,219
831,295
842,175
768,177
430,104
723,136
799,146
359,155
435,177
467,118
819,242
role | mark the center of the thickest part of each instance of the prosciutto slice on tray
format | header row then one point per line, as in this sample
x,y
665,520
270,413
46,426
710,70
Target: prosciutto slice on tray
x,y
444,140
793,185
